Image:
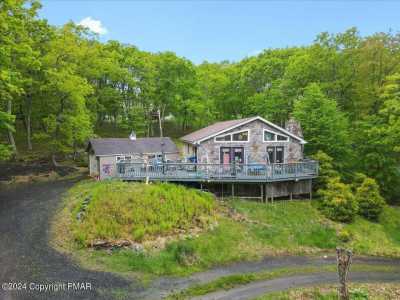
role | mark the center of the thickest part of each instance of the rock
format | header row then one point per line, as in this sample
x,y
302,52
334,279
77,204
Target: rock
x,y
136,247
80,215
100,244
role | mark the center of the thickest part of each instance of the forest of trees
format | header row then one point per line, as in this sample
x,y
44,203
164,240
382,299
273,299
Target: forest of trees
x,y
58,85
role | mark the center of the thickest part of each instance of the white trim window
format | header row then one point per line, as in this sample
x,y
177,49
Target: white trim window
x,y
120,158
271,136
242,136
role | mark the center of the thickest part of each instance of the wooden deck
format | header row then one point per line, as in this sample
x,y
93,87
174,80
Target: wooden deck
x,y
218,172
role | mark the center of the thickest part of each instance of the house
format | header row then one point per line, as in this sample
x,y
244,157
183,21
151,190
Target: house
x,y
249,154
245,141
105,153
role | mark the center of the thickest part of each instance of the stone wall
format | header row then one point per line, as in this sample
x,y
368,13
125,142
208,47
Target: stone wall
x,y
255,150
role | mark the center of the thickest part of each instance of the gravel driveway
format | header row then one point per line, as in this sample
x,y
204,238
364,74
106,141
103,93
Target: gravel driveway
x,y
26,257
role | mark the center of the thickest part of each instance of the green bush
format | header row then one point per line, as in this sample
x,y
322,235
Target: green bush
x,y
184,253
370,202
326,169
359,294
338,201
345,235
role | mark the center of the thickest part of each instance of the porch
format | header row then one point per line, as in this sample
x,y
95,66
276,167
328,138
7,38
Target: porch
x,y
197,172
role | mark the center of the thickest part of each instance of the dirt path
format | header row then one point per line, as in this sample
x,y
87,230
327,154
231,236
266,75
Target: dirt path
x,y
26,257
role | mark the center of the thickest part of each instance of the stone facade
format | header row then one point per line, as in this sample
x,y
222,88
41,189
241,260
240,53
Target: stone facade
x,y
255,150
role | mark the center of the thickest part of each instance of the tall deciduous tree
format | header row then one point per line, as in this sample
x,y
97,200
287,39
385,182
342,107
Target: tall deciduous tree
x,y
65,117
325,127
16,51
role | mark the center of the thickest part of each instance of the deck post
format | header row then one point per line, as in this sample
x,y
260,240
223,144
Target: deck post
x,y
222,190
262,193
147,172
291,196
233,190
272,194
310,189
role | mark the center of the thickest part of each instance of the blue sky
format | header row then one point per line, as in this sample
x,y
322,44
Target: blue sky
x,y
223,30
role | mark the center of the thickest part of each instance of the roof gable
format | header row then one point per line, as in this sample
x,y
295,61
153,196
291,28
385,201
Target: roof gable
x,y
212,129
222,127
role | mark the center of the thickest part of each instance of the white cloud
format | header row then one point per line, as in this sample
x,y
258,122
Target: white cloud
x,y
93,25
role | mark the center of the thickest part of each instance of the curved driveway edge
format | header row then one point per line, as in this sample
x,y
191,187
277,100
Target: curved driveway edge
x,y
260,288
25,255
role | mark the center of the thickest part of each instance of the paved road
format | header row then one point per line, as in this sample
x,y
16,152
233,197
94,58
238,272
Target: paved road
x,y
255,289
26,257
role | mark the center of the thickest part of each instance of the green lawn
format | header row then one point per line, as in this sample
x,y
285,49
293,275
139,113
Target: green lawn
x,y
285,227
291,226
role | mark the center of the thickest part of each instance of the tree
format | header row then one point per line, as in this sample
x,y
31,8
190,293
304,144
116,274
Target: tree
x,y
6,123
65,117
382,131
175,79
325,127
16,50
338,202
369,200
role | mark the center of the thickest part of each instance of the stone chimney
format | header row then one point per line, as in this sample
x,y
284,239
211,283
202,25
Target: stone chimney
x,y
294,127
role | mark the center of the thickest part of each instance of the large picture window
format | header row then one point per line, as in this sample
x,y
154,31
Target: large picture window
x,y
275,154
270,136
239,136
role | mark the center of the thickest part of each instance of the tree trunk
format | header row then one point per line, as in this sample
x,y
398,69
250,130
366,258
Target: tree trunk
x,y
54,161
160,123
28,121
28,131
343,262
10,133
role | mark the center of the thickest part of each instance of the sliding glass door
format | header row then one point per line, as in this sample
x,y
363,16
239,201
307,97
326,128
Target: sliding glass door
x,y
276,154
231,154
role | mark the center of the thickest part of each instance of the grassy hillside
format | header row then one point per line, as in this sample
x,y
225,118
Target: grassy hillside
x,y
246,230
119,210
295,225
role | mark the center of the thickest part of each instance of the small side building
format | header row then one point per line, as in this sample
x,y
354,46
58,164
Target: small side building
x,y
104,153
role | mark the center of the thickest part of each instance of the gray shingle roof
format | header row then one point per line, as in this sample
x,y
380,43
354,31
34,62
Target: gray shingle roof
x,y
212,129
113,146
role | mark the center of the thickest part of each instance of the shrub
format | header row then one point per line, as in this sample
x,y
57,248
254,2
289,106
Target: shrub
x,y
369,200
338,202
358,179
359,294
184,253
326,169
345,236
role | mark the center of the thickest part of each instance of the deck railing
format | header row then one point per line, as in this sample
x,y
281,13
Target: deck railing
x,y
217,172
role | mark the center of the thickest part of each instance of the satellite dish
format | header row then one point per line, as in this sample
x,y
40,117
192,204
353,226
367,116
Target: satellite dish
x,y
132,136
